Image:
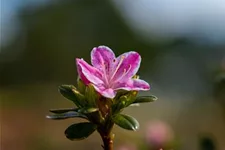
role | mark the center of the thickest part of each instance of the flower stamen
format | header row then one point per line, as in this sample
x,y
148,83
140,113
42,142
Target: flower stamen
x,y
125,71
118,66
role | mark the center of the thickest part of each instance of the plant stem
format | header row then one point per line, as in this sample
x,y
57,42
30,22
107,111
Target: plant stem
x,y
105,128
106,134
107,139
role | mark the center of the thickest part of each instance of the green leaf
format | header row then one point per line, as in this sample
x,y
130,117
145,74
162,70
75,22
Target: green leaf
x,y
126,122
121,93
81,86
145,99
79,97
91,95
124,101
87,110
117,107
70,92
80,131
92,114
62,110
66,116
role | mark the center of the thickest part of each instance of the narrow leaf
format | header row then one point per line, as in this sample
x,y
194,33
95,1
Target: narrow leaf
x,y
66,116
145,99
126,122
62,110
80,131
87,110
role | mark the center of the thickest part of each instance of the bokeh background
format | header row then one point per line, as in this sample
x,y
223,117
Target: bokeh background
x,y
182,44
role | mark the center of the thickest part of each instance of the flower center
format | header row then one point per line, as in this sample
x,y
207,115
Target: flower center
x,y
110,81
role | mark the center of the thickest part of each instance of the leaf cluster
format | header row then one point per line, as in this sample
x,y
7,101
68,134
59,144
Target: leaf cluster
x,y
100,113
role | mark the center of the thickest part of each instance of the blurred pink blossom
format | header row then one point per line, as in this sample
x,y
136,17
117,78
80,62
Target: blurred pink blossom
x,y
127,147
158,134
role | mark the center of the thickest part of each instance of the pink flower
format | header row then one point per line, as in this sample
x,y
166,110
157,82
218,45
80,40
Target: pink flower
x,y
109,74
159,134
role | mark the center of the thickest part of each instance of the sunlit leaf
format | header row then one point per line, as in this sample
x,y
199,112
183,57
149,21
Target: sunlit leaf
x,y
118,106
124,101
88,110
80,131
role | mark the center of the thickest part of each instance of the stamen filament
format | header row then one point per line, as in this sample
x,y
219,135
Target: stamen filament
x,y
124,73
117,68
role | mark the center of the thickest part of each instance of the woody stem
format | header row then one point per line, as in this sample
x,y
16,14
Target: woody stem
x,y
105,128
107,137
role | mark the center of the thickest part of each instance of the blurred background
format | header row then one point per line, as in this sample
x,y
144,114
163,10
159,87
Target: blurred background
x,y
182,44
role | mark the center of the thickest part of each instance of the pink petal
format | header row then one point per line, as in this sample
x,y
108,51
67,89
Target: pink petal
x,y
127,66
127,85
140,85
81,75
132,84
88,73
108,93
102,57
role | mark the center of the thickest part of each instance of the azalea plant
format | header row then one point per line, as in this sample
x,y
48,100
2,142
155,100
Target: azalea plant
x,y
103,90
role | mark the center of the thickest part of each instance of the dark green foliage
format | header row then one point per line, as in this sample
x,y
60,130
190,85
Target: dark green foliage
x,y
66,116
70,92
62,110
101,113
145,99
126,122
122,100
80,131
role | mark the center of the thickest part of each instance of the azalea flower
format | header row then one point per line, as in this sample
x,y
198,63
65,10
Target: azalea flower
x,y
109,73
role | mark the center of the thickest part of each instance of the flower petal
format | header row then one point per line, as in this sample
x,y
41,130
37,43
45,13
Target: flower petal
x,y
127,66
102,57
88,73
108,93
132,84
81,75
140,85
127,85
